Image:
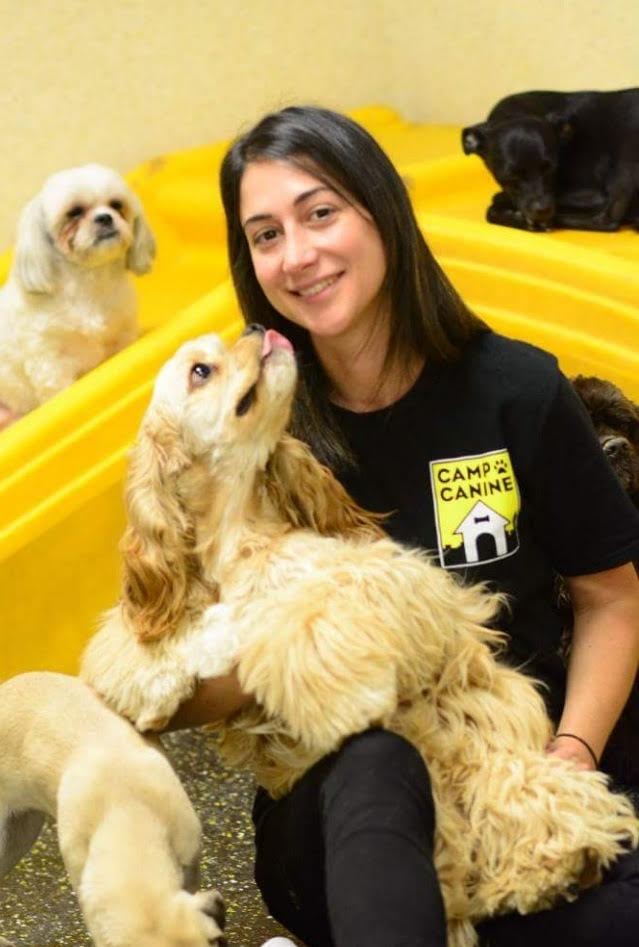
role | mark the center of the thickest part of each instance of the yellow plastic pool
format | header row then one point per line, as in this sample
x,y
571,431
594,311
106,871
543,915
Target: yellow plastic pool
x,y
61,468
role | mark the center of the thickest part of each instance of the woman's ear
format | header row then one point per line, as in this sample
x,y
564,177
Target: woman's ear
x,y
160,565
141,253
307,494
34,262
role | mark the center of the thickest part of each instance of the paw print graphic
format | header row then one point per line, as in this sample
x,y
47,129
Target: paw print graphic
x,y
501,467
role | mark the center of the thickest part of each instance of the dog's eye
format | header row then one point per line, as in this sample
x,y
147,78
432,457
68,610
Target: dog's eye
x,y
117,206
75,212
246,401
200,373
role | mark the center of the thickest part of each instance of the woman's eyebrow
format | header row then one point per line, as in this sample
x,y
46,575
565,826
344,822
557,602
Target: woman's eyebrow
x,y
304,196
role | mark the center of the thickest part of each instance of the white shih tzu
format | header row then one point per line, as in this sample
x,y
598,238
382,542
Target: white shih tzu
x,y
68,303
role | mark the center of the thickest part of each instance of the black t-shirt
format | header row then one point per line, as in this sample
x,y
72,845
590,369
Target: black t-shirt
x,y
493,464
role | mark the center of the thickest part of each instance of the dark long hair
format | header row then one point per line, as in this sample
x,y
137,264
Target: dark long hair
x,y
427,316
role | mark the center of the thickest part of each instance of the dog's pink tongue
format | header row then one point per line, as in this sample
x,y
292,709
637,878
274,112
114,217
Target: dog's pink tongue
x,y
273,340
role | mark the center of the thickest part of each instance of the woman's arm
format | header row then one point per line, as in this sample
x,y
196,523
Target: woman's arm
x,y
215,699
603,660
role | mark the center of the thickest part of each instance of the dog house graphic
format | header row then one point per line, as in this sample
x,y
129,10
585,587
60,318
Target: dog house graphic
x,y
476,500
481,521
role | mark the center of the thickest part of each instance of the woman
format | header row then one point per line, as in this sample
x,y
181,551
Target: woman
x,y
481,449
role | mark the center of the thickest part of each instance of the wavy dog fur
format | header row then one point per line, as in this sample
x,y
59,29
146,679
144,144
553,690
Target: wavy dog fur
x,y
128,834
334,628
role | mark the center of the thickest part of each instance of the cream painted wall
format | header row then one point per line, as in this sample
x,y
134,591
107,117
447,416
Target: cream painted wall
x,y
123,80
462,56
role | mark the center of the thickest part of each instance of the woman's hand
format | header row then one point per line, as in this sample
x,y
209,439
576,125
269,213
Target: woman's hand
x,y
214,701
567,748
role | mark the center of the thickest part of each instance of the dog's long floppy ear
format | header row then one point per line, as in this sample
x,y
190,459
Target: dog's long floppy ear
x,y
307,494
34,262
473,138
161,570
141,253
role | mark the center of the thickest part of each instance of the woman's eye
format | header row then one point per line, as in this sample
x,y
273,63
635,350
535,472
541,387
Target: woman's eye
x,y
265,236
321,213
200,372
75,212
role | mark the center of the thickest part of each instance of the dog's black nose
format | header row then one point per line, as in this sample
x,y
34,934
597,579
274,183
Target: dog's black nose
x,y
615,446
105,220
254,327
541,210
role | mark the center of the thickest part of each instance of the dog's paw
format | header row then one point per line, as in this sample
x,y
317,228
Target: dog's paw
x,y
501,201
212,904
599,223
148,723
503,212
505,216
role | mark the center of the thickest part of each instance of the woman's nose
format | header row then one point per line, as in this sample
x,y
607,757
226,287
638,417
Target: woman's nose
x,y
299,251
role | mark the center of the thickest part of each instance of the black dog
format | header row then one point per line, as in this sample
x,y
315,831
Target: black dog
x,y
562,159
616,421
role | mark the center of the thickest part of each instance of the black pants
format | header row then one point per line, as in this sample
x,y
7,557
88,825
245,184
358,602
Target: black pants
x,y
345,860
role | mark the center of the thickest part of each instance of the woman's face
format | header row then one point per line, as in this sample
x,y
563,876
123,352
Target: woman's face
x,y
318,258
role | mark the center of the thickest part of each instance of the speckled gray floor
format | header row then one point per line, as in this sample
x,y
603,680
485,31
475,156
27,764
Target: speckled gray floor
x,y
38,908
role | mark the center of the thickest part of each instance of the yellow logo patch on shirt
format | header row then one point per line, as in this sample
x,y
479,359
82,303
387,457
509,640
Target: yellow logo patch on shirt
x,y
476,508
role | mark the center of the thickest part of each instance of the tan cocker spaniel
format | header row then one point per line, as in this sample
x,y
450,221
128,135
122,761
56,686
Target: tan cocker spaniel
x,y
242,550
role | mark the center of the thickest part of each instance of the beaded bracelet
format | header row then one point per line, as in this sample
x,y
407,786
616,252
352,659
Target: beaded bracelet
x,y
582,741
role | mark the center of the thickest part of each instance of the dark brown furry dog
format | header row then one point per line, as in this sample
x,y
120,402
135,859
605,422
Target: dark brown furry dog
x,y
616,420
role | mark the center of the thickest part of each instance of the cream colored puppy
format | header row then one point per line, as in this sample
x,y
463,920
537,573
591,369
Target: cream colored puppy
x,y
128,834
69,303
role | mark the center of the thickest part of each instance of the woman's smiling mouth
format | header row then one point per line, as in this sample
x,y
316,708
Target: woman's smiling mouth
x,y
316,288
